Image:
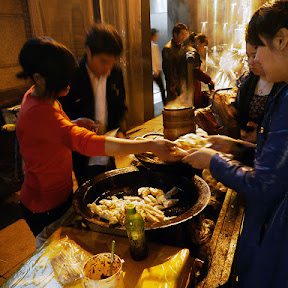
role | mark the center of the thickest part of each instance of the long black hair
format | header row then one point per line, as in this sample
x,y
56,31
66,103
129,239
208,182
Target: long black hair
x,y
50,59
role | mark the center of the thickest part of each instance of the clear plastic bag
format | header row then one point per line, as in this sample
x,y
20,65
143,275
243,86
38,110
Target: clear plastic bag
x,y
57,263
69,260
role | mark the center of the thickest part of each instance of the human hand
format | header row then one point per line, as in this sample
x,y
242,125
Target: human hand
x,y
211,85
87,123
156,74
249,133
167,151
222,143
199,158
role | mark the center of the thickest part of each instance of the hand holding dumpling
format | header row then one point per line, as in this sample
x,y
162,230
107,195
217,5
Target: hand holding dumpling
x,y
200,158
167,151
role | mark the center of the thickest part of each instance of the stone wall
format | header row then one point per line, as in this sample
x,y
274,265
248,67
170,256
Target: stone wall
x,y
15,30
65,21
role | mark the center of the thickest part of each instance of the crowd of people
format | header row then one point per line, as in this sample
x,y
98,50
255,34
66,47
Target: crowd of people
x,y
71,106
175,64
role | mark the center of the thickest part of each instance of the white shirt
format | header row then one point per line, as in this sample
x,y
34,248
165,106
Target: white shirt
x,y
100,111
156,58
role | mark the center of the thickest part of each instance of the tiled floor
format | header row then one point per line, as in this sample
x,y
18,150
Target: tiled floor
x,y
16,240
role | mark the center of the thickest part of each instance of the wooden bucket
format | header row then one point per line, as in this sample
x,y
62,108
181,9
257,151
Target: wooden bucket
x,y
178,122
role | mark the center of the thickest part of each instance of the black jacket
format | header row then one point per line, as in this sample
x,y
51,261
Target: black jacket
x,y
80,100
172,58
80,103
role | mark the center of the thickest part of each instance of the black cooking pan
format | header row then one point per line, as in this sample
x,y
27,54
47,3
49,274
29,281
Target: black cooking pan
x,y
194,194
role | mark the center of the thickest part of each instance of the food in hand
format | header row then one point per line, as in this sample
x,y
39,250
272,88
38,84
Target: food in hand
x,y
190,141
149,204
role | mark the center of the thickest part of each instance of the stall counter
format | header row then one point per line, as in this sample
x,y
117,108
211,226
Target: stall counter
x,y
40,271
220,254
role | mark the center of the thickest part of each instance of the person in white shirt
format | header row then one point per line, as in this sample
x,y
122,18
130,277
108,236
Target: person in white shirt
x,y
97,92
157,64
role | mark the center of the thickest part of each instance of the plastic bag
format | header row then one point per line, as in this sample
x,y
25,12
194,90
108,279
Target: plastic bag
x,y
202,232
206,119
38,270
68,264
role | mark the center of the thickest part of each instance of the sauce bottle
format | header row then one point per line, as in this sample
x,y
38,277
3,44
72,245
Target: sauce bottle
x,y
134,225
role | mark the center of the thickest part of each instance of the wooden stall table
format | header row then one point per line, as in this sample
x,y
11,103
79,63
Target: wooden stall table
x,y
37,271
218,263
96,242
222,247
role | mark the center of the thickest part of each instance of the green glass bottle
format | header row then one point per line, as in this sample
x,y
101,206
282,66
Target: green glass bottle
x,y
134,225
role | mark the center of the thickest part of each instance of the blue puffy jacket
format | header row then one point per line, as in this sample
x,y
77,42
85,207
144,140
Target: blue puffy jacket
x,y
263,245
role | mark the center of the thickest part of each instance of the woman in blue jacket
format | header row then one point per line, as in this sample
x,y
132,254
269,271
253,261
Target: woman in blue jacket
x,y
263,245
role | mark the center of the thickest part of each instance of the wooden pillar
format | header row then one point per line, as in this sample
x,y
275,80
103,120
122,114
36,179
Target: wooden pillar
x,y
132,19
147,64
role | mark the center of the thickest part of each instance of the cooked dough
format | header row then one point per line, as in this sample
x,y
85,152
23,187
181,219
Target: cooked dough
x,y
149,204
191,140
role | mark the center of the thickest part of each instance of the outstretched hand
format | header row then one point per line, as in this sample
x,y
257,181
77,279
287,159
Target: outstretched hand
x,y
222,143
200,158
211,85
168,151
87,123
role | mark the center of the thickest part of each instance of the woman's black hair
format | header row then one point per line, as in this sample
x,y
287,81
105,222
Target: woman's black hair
x,y
202,38
266,22
50,59
104,38
191,40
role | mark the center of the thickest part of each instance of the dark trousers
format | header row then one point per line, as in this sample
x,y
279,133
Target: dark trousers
x,y
38,221
158,80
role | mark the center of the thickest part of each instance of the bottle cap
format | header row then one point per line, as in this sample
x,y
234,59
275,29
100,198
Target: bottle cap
x,y
131,209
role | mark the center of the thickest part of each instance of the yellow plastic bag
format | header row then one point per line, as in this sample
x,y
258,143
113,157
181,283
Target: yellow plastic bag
x,y
174,273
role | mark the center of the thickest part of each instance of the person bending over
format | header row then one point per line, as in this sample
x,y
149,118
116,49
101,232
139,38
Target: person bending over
x,y
47,136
